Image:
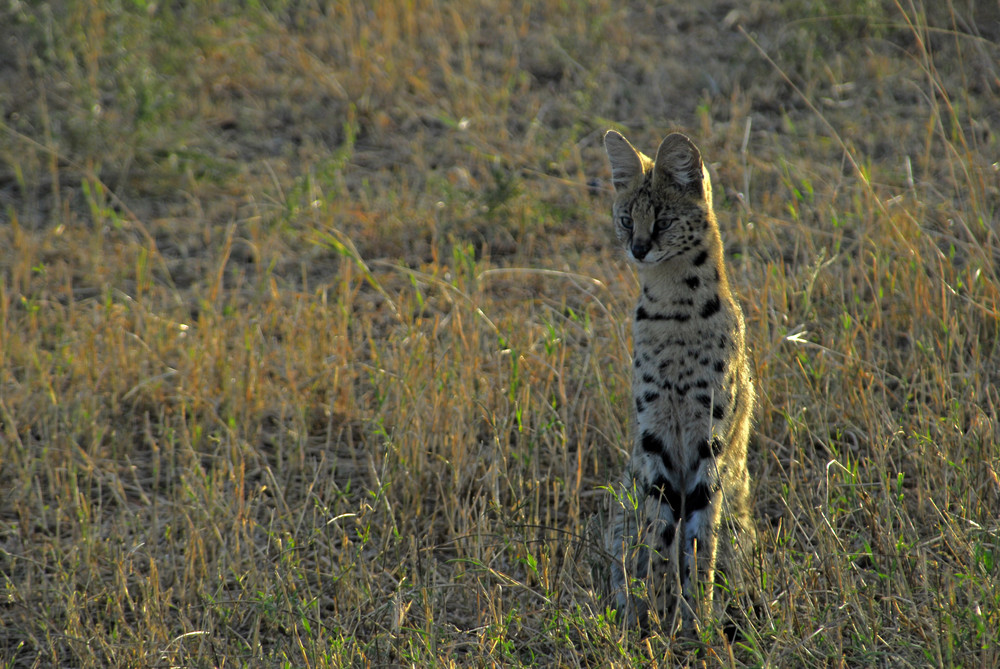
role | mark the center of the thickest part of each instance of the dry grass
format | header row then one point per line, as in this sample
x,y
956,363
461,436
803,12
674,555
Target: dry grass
x,y
315,342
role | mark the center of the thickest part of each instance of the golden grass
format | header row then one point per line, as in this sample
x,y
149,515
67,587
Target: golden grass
x,y
315,341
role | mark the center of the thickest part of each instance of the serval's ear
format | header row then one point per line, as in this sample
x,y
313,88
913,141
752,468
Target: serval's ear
x,y
678,161
626,165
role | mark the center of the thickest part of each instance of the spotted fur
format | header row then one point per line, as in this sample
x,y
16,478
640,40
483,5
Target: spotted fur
x,y
691,385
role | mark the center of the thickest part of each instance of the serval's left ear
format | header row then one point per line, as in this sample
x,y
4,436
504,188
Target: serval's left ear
x,y
626,166
678,161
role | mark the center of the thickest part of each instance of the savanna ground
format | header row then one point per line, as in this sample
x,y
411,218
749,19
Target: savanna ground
x,y
315,343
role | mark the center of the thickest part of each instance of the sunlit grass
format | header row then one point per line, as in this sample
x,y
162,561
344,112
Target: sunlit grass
x,y
315,342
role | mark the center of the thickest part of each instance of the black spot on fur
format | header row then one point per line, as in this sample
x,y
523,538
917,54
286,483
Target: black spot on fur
x,y
667,537
698,498
692,282
720,366
718,412
708,449
711,307
651,443
642,315
704,400
668,462
700,259
650,396
704,450
666,492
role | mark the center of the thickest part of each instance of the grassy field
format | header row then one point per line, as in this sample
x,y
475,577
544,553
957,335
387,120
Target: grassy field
x,y
315,341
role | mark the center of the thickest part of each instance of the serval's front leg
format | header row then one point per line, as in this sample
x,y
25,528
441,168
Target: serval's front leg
x,y
630,555
702,514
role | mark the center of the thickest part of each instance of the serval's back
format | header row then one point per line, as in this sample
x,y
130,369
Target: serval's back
x,y
687,475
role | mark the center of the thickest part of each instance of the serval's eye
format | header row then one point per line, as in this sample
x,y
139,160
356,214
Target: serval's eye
x,y
663,223
625,221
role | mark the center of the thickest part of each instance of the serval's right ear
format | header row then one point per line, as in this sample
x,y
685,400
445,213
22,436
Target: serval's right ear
x,y
678,161
626,165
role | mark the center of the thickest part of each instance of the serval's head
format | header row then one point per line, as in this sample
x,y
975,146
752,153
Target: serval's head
x,y
662,206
